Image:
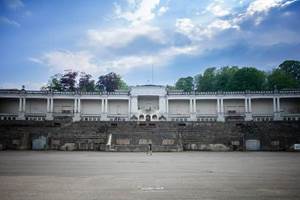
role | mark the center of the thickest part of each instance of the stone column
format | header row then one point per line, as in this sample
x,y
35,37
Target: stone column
x,y
76,116
106,105
218,107
21,114
49,115
246,105
248,110
221,110
129,108
104,109
20,104
191,106
192,113
278,105
276,109
167,107
75,106
134,106
51,105
102,105
195,106
48,105
162,105
250,105
79,106
274,105
24,105
222,106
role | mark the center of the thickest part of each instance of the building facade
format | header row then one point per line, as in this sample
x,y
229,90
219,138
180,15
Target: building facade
x,y
150,103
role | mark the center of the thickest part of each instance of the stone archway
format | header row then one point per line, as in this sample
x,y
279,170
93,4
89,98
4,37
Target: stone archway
x,y
141,117
148,118
154,117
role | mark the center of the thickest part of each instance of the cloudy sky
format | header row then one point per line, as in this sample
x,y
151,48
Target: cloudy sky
x,y
39,38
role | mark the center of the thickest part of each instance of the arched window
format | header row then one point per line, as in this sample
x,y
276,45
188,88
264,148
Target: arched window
x,y
141,117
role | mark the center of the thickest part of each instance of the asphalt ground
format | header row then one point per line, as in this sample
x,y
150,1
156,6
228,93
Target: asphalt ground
x,y
186,175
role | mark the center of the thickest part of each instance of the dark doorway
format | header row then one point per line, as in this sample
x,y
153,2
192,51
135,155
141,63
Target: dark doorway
x,y
148,118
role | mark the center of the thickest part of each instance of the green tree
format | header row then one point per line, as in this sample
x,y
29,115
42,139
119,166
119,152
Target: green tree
x,y
224,78
122,85
170,87
68,81
207,81
186,84
109,82
86,84
278,79
292,68
248,78
54,83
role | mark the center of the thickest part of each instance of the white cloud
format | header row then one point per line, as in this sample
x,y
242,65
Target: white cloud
x,y
124,64
220,25
5,20
258,9
288,3
14,4
120,37
196,32
162,10
218,8
262,6
58,61
142,11
35,60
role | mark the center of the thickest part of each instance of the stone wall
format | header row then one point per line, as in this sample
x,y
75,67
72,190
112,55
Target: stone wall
x,y
136,136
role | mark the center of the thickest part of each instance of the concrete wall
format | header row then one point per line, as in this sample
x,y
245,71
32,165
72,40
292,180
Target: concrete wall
x,y
237,105
262,106
179,107
146,102
63,105
206,107
117,107
92,107
290,106
10,106
36,105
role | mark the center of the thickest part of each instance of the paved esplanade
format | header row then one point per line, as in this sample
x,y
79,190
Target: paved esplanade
x,y
186,175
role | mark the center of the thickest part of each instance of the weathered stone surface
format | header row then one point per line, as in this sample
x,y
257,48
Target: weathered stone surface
x,y
164,136
68,147
145,141
168,142
123,141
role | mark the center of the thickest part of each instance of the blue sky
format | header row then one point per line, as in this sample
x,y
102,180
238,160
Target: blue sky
x,y
178,38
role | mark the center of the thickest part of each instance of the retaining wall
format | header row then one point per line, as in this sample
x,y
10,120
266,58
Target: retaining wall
x,y
136,136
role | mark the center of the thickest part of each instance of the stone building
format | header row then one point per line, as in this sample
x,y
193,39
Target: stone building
x,y
150,103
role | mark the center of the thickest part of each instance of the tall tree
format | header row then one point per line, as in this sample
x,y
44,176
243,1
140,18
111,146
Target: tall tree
x,y
207,81
54,83
248,78
224,78
109,82
68,81
186,84
122,85
278,79
86,84
292,68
